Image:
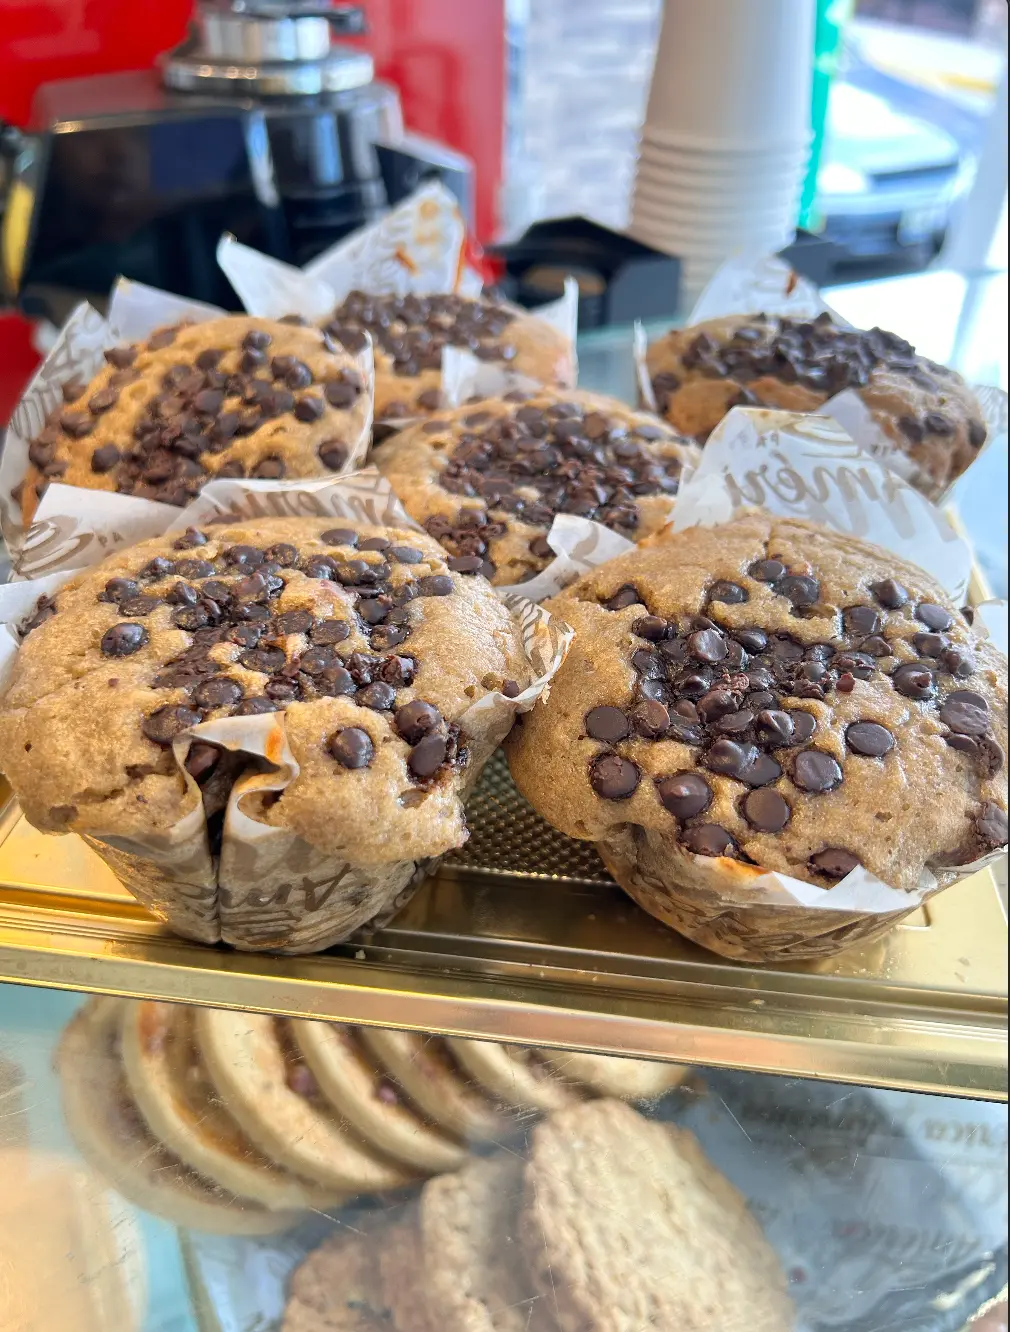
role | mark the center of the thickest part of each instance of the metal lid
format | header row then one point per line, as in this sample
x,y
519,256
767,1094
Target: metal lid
x,y
269,48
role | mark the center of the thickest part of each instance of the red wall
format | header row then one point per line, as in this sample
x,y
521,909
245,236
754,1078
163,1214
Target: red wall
x,y
447,57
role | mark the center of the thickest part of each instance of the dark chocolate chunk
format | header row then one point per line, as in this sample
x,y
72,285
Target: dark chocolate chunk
x,y
767,571
889,593
104,459
766,811
435,585
933,616
816,772
800,589
834,863
991,825
122,640
166,723
914,681
613,777
624,596
650,719
378,695
861,620
298,622
869,738
774,727
253,707
684,795
428,755
220,692
607,724
709,839
731,593
201,760
406,554
352,747
102,400
651,627
265,660
707,645
415,719
333,454
964,718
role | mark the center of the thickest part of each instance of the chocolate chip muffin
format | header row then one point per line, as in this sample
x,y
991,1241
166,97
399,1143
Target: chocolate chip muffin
x,y
769,695
409,333
928,413
487,480
230,397
362,644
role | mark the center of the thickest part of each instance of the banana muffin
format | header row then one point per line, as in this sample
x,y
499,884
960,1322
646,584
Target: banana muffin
x,y
409,333
360,640
930,416
488,479
768,695
229,397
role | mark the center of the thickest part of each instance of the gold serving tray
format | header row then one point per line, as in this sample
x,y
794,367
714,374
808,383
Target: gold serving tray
x,y
524,937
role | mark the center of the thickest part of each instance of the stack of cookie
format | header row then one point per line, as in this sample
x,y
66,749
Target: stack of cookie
x,y
238,1123
613,1222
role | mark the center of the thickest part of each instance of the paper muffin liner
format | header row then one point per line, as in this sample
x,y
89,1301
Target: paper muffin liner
x,y
750,285
267,888
86,525
797,466
416,249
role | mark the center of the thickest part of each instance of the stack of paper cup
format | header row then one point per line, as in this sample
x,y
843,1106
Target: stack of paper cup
x,y
727,131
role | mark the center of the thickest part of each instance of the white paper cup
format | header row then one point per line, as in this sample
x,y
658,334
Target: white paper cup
x,y
712,170
692,206
711,147
736,72
701,234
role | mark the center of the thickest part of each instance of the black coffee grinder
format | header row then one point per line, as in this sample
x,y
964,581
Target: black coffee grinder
x,y
260,124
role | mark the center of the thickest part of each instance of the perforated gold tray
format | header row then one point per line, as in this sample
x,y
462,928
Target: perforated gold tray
x,y
523,936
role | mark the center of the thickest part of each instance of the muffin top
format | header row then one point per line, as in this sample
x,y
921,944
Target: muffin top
x,y
774,693
927,411
410,332
229,397
488,479
361,635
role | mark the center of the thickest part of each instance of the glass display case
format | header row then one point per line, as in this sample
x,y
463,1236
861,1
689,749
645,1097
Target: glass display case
x,y
522,1103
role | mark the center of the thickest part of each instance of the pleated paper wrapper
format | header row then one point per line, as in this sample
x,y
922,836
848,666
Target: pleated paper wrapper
x,y
268,888
73,527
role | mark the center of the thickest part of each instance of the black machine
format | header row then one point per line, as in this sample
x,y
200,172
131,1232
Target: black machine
x,y
260,124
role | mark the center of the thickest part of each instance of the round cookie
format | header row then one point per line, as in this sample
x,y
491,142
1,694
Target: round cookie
x,y
612,1075
337,1287
409,332
235,396
488,479
626,1224
401,1272
110,1134
352,1083
426,1070
931,417
475,1276
514,1075
183,1110
768,695
360,634
258,1071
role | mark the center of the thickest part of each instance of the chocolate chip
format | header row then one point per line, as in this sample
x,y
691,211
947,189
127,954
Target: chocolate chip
x,y
751,640
268,469
164,337
707,645
869,738
977,433
339,394
428,755
861,620
964,718
201,760
929,645
298,622
967,696
122,640
767,571
716,703
415,719
466,564
650,719
613,777
624,596
218,693
876,646
816,772
104,458
804,725
731,593
102,401
911,429
118,588
889,593
264,660
834,863
914,681
774,727
309,408
120,357
607,724
799,589
651,627
257,339
933,617
328,631
709,839
938,424
684,795
406,554
991,825
166,723
435,585
138,606
956,662
333,454
76,424
766,811
352,747
336,681
254,707
731,758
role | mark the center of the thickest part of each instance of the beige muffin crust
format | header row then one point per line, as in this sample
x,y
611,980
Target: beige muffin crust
x,y
488,479
230,397
769,695
410,332
361,635
926,410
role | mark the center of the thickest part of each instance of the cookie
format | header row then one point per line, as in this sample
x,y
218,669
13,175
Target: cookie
x,y
931,418
409,333
427,1071
769,695
364,639
514,1075
230,397
337,1288
401,1272
259,1073
487,480
184,1111
113,1138
610,1075
626,1225
475,1274
359,1090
